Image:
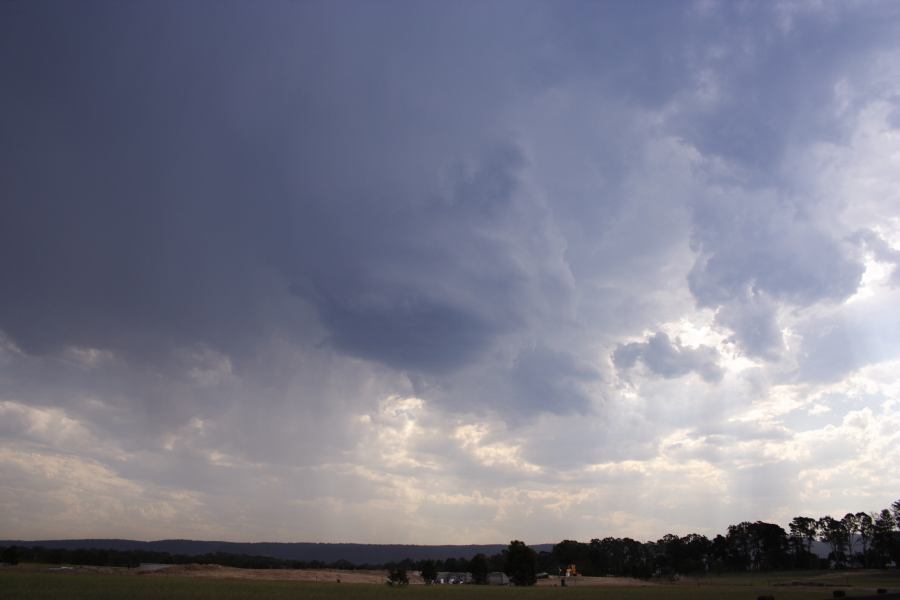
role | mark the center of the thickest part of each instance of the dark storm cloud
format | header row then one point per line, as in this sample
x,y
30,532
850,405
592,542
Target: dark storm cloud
x,y
758,246
774,68
428,283
164,186
550,381
669,359
755,251
161,187
894,115
176,177
595,40
135,214
762,244
754,321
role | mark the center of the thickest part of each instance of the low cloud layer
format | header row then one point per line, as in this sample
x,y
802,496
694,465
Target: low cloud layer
x,y
445,274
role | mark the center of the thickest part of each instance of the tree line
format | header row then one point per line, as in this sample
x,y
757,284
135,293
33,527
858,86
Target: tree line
x,y
860,539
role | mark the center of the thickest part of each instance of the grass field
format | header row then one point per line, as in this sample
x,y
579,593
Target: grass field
x,y
22,584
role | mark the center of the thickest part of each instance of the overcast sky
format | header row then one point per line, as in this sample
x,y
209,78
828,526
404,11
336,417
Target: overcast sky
x,y
446,272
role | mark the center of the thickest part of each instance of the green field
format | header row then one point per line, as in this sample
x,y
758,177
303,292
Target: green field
x,y
19,584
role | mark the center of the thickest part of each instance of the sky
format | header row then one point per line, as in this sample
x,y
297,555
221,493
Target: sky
x,y
446,272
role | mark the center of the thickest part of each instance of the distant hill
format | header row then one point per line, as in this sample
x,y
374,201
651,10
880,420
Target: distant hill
x,y
304,551
357,554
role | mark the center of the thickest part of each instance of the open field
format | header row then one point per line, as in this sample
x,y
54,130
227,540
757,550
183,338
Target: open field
x,y
307,575
102,584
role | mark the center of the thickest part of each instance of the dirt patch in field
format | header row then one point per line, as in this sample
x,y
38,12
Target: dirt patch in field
x,y
310,575
372,577
582,581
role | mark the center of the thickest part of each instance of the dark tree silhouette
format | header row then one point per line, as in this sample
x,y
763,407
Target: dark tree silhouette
x,y
835,534
883,537
770,545
738,546
805,529
866,528
398,576
520,563
10,555
429,571
851,527
570,552
478,567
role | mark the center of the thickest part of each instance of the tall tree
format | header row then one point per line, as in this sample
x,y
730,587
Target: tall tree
x,y
769,543
570,552
850,523
866,526
429,571
696,553
668,555
478,567
520,563
805,529
883,537
834,533
10,555
599,556
739,550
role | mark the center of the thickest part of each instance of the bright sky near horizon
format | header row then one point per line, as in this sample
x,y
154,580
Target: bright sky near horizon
x,y
446,272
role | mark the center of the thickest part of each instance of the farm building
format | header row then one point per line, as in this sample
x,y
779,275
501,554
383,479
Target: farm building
x,y
452,577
